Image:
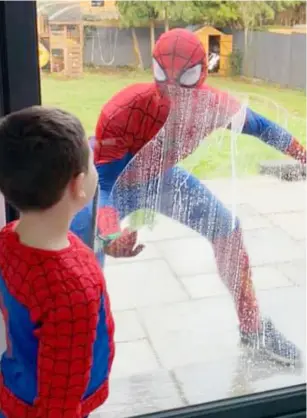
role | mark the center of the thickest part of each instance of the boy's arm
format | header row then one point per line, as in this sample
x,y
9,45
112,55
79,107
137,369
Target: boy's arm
x,y
66,340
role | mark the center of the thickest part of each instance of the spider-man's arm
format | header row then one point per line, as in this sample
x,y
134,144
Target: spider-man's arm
x,y
117,243
273,135
108,221
115,136
66,340
255,125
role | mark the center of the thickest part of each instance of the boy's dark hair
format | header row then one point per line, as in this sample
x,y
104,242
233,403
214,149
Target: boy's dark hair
x,y
41,150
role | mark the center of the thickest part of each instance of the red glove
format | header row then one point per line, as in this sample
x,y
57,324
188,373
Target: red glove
x,y
124,246
297,151
108,226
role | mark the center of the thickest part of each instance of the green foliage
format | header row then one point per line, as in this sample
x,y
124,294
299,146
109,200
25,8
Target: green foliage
x,y
241,14
281,5
218,13
251,12
136,13
236,62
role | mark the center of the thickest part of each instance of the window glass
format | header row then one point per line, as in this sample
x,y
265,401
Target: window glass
x,y
214,306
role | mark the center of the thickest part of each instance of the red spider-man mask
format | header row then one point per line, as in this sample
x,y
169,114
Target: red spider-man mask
x,y
179,59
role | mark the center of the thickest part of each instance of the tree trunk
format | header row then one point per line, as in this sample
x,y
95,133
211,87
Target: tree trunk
x,y
166,21
137,50
152,35
245,38
245,57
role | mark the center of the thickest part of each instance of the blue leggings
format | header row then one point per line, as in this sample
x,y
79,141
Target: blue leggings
x,y
179,196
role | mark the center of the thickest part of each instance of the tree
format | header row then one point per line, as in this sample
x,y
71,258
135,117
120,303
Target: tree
x,y
164,11
250,13
180,12
135,14
129,19
290,12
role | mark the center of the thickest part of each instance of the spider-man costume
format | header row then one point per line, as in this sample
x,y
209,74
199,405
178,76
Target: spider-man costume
x,y
131,119
59,330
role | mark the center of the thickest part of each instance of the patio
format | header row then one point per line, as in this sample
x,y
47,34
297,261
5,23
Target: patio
x,y
176,328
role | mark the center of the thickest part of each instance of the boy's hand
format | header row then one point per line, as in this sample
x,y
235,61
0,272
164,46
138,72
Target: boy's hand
x,y
124,246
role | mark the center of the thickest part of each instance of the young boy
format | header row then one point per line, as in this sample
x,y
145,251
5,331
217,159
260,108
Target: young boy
x,y
53,296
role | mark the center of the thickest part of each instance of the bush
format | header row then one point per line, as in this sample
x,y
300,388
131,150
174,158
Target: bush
x,y
236,62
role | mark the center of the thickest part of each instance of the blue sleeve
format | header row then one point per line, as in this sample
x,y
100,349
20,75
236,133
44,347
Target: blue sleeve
x,y
269,132
108,173
82,223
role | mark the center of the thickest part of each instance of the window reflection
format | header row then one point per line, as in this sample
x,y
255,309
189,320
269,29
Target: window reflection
x,y
178,329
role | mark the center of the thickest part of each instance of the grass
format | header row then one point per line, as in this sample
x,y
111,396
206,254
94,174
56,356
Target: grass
x,y
84,97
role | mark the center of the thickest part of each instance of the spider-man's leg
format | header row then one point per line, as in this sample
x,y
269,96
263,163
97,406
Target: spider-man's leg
x,y
187,200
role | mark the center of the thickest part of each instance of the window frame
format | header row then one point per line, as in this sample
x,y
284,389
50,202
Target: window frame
x,y
21,88
19,72
288,402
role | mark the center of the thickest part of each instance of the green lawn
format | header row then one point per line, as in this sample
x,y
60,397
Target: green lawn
x,y
84,97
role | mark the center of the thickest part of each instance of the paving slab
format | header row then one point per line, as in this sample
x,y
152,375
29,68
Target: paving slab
x,y
283,197
128,327
239,375
188,256
165,229
292,223
141,394
188,332
264,194
250,218
270,277
134,357
215,366
244,188
295,271
272,245
146,283
204,285
209,285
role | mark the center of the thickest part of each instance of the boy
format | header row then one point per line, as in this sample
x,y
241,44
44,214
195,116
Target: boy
x,y
53,296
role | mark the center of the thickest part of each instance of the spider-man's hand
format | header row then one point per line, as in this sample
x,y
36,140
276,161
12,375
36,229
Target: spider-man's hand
x,y
124,246
297,151
116,243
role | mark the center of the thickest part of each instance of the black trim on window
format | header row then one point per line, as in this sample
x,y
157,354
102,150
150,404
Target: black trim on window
x,y
19,68
288,402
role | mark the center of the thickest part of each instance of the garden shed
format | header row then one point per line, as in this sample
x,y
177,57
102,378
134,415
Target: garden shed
x,y
215,41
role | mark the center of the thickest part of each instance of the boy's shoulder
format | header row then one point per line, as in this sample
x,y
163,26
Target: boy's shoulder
x,y
48,273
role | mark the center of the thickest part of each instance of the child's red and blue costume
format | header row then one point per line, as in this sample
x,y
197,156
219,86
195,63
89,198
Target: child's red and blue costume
x,y
131,119
59,330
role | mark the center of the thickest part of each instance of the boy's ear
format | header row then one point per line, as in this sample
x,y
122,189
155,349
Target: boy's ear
x,y
77,186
